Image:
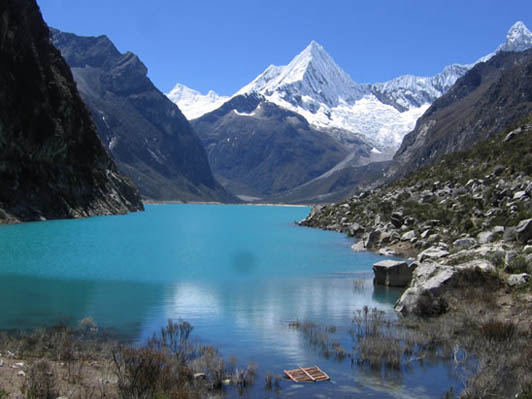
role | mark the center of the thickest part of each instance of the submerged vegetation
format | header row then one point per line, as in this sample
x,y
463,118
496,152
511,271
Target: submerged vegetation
x,y
86,363
492,358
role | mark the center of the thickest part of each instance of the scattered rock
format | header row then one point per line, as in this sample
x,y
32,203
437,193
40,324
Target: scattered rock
x,y
359,246
355,229
408,236
372,239
519,195
464,243
387,252
393,273
432,253
514,280
485,237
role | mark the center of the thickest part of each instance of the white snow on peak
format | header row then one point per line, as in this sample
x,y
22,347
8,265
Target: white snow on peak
x,y
312,73
314,86
518,38
192,103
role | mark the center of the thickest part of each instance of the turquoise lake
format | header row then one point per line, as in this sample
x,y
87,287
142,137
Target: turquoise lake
x,y
238,274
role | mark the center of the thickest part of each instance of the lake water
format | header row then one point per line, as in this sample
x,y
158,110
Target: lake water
x,y
238,274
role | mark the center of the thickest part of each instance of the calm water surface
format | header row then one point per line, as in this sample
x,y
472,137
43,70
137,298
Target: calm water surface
x,y
238,274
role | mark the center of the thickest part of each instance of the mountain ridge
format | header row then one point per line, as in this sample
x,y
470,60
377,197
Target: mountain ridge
x,y
52,163
305,86
147,135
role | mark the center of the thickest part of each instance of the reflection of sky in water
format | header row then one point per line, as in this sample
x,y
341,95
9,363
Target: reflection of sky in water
x,y
239,275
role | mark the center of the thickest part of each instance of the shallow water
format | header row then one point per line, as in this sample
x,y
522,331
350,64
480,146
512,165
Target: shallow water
x,y
238,274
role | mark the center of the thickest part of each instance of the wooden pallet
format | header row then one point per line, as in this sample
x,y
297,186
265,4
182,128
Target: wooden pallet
x,y
308,374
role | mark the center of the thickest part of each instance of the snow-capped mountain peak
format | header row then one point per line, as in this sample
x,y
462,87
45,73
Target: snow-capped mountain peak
x,y
518,38
192,103
311,75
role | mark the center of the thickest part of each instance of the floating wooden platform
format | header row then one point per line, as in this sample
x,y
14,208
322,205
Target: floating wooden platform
x,y
307,374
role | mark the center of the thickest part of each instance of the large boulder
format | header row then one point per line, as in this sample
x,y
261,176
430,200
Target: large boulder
x,y
464,243
517,279
393,273
427,294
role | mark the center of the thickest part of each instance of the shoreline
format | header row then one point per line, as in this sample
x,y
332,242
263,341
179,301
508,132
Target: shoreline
x,y
175,202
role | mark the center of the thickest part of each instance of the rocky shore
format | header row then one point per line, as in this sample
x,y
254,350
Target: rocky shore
x,y
464,222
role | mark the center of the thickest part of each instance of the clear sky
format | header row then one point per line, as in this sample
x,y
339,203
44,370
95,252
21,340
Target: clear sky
x,y
224,44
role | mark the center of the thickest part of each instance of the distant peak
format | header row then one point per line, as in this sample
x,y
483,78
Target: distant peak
x,y
518,26
315,49
518,38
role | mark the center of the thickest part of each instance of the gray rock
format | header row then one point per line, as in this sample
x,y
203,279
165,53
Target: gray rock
x,y
485,237
432,253
464,243
355,229
498,230
387,252
373,239
519,195
397,219
359,246
514,280
393,273
408,236
426,294
512,134
524,230
510,234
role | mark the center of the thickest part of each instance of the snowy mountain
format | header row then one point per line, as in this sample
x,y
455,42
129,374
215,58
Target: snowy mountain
x,y
315,87
192,103
519,38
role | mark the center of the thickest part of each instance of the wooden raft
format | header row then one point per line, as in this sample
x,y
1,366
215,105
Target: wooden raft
x,y
307,374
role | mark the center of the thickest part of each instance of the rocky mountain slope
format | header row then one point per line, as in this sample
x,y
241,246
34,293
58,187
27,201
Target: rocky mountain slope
x,y
146,134
473,206
491,96
258,149
52,163
466,222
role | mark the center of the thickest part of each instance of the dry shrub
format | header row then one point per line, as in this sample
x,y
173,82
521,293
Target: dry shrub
x,y
40,382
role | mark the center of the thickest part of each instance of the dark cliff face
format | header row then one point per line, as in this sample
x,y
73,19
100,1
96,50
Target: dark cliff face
x,y
52,163
259,149
146,134
490,97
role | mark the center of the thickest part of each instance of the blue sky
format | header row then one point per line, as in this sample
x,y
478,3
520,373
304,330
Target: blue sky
x,y
224,44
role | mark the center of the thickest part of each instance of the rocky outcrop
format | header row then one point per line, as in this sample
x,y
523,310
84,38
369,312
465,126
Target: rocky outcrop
x,y
458,203
432,286
461,219
393,273
52,163
147,135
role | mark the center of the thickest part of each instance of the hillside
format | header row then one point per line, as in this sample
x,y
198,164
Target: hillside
x,y
146,134
52,163
258,149
488,98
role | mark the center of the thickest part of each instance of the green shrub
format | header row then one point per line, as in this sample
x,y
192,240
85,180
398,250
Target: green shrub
x,y
518,264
